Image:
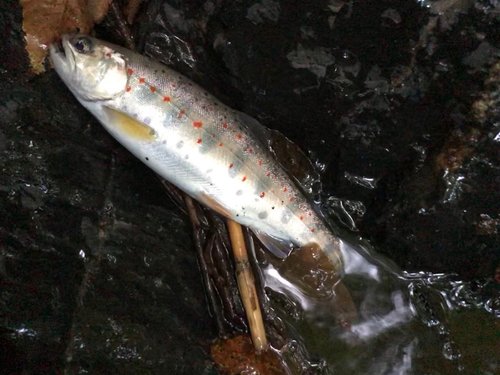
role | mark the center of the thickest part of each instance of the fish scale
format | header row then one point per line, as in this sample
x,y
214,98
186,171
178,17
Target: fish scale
x,y
213,153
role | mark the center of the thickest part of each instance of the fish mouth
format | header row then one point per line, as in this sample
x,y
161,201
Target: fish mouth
x,y
62,55
59,47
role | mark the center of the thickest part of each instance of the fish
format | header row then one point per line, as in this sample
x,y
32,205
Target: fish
x,y
217,155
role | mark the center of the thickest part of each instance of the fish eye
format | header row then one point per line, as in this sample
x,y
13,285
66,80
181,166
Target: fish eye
x,y
83,45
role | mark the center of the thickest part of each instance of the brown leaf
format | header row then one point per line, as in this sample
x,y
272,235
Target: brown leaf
x,y
45,20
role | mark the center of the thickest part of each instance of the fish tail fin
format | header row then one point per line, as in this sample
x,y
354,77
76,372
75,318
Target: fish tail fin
x,y
317,272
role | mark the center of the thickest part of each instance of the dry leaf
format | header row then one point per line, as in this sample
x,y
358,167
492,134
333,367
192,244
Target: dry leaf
x,y
45,20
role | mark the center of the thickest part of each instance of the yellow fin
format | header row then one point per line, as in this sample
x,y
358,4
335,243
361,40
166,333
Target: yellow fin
x,y
130,126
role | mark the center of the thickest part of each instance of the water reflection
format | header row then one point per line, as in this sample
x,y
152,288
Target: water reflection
x,y
406,322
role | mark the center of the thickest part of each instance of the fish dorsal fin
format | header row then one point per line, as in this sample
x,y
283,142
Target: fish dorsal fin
x,y
127,126
286,153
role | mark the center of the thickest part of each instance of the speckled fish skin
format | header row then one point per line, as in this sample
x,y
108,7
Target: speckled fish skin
x,y
191,139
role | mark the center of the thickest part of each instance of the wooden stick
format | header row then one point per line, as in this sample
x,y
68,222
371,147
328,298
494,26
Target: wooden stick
x,y
246,284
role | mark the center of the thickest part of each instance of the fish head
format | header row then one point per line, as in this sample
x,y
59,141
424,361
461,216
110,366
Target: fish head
x,y
91,69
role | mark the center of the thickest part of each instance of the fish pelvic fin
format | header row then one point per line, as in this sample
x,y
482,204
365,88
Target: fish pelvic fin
x,y
215,205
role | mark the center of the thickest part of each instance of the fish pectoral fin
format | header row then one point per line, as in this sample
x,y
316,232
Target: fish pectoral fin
x,y
276,246
129,126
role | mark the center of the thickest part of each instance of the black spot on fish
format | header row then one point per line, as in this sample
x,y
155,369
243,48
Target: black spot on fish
x,y
147,120
239,192
179,144
147,158
272,207
262,215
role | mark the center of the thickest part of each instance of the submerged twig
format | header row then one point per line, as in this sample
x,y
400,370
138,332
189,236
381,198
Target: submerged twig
x,y
211,294
246,283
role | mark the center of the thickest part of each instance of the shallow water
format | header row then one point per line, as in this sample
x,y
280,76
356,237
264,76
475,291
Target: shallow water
x,y
419,323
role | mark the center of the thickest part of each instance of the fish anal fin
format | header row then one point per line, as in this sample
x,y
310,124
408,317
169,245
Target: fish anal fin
x,y
278,247
128,126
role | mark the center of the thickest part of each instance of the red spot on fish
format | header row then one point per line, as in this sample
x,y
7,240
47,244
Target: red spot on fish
x,y
166,99
224,126
275,176
210,108
130,71
238,136
213,135
268,174
199,140
291,199
301,217
197,124
129,88
173,84
262,195
259,162
108,55
312,230
230,165
180,114
244,178
220,144
309,214
152,88
250,151
285,189
141,80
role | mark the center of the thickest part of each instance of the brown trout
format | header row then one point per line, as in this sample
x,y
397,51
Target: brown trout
x,y
215,154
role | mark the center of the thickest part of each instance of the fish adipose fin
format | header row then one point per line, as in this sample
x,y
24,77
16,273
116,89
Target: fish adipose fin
x,y
128,126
